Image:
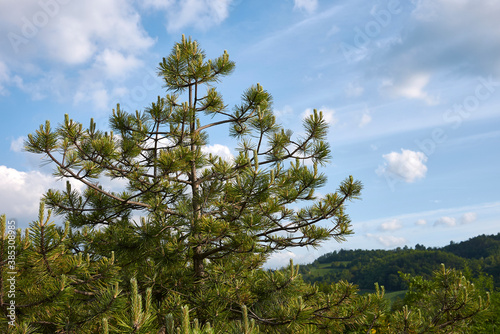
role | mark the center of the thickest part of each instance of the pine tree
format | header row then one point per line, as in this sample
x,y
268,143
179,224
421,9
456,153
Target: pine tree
x,y
447,303
206,219
56,290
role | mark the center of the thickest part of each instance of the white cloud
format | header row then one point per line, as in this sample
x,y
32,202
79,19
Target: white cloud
x,y
366,118
105,39
20,193
94,93
328,114
17,145
44,83
87,26
308,5
425,10
354,89
408,165
421,222
73,45
72,32
4,77
446,221
280,259
285,112
410,86
489,208
7,79
388,240
115,64
157,4
219,150
468,217
391,225
200,14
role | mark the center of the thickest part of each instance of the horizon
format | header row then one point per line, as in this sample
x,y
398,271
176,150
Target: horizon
x,y
411,91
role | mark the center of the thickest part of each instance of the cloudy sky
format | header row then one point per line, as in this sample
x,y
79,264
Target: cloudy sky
x,y
411,90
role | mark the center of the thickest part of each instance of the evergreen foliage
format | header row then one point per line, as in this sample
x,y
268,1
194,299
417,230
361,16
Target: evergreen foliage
x,y
206,221
193,262
57,290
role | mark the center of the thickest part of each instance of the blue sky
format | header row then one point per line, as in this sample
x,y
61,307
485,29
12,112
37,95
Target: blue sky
x,y
411,90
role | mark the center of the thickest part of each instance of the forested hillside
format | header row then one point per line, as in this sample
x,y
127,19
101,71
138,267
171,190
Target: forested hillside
x,y
477,255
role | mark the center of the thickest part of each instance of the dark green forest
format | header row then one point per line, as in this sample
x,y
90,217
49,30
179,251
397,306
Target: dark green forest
x,y
476,257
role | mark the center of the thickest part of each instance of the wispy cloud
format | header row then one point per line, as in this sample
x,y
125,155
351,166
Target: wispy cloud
x,y
459,23
468,217
284,35
17,145
410,87
391,225
366,118
200,14
388,240
421,222
430,215
446,221
309,6
354,89
4,77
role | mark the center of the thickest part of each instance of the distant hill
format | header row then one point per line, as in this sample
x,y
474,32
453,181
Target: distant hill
x,y
477,255
479,247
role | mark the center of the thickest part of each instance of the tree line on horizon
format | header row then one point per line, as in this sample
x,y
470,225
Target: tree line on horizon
x,y
477,256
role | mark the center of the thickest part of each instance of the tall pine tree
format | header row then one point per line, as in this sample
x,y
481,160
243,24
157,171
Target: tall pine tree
x,y
205,218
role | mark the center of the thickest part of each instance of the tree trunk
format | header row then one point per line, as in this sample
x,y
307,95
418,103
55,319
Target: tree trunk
x,y
199,269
